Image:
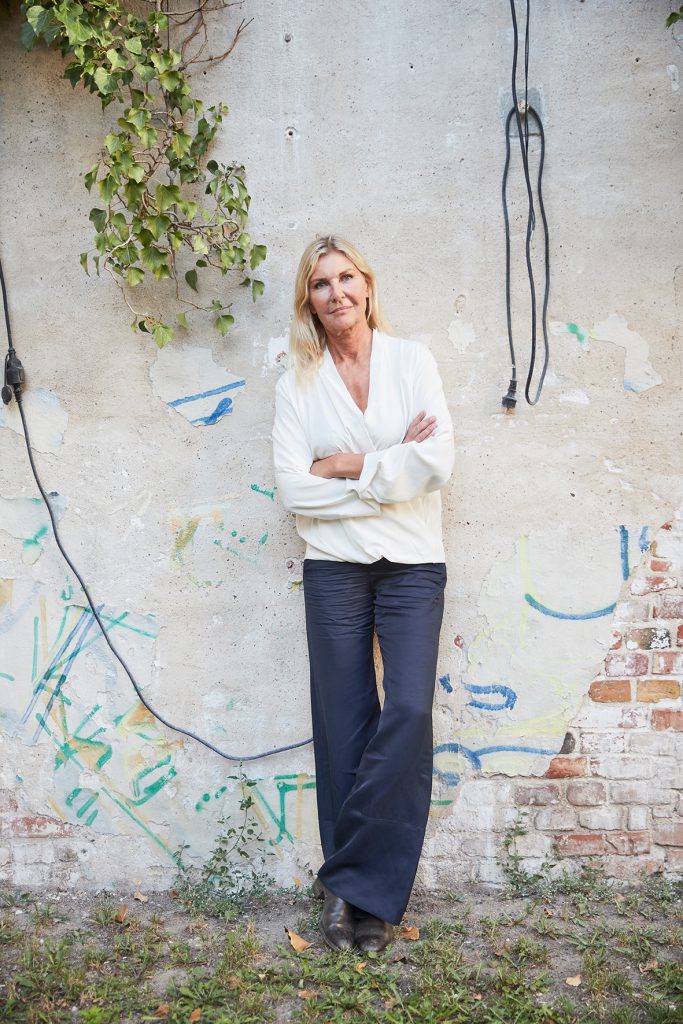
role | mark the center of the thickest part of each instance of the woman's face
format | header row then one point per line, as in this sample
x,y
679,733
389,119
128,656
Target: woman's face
x,y
338,293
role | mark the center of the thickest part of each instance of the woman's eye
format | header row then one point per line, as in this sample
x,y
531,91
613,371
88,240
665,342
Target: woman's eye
x,y
318,285
347,277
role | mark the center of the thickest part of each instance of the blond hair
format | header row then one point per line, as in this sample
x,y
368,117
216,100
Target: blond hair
x,y
306,335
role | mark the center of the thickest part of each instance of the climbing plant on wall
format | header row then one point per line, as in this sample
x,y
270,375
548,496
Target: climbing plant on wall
x,y
163,209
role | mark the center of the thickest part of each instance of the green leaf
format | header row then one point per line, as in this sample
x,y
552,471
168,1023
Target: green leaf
x,y
170,80
84,262
134,276
165,196
39,18
136,172
181,143
162,334
202,263
188,209
258,254
105,82
98,218
133,193
199,245
216,306
191,278
212,166
116,59
152,257
145,72
224,323
182,320
148,137
27,36
108,187
133,45
157,225
90,178
138,117
257,289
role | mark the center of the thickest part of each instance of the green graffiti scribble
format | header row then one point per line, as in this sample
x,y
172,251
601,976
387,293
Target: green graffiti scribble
x,y
153,788
264,492
67,596
5,675
85,806
284,786
34,541
577,332
240,554
206,797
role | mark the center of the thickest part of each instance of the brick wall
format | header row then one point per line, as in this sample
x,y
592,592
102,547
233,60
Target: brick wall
x,y
617,795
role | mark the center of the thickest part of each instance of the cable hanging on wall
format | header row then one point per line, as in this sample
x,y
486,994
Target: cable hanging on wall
x,y
524,115
14,379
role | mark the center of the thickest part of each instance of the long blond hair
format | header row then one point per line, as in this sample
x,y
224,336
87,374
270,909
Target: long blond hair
x,y
306,335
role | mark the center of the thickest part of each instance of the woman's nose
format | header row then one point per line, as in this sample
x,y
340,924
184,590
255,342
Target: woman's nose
x,y
336,289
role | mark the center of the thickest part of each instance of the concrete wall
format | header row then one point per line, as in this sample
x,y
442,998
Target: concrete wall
x,y
380,121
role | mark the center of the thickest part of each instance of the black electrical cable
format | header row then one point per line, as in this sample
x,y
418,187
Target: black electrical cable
x,y
509,399
13,383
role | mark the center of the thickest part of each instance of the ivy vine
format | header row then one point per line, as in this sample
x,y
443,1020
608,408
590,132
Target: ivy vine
x,y
152,169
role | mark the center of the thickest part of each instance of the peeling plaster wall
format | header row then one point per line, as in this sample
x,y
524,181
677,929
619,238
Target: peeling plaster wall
x,y
380,121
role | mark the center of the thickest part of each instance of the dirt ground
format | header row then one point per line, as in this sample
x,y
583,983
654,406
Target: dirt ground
x,y
583,952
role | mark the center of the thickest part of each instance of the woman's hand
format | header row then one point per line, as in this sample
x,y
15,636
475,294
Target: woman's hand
x,y
422,427
346,465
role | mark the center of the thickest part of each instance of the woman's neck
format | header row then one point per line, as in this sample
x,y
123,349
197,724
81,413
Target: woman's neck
x,y
352,346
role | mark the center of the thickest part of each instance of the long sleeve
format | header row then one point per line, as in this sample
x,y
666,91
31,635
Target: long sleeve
x,y
402,472
299,490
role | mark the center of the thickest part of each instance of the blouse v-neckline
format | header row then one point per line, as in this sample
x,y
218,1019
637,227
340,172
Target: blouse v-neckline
x,y
342,383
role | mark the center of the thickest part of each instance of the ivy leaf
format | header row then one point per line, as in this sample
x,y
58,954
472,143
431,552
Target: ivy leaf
x,y
152,257
165,196
224,323
182,320
148,137
258,254
162,334
157,225
138,117
145,72
212,166
116,59
27,36
98,218
180,144
90,177
191,278
136,172
39,18
188,209
133,45
257,289
105,82
108,187
170,80
133,191
134,276
84,262
199,245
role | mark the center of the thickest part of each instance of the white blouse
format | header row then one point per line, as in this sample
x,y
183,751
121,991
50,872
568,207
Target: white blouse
x,y
394,510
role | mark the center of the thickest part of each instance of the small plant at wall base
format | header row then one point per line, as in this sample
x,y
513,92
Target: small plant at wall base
x,y
234,873
152,167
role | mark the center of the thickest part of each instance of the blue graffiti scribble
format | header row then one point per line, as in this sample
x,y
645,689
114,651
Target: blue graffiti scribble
x,y
625,567
598,613
509,697
644,539
222,409
475,756
446,683
207,394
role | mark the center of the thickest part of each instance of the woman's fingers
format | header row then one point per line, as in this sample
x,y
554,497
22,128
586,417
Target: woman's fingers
x,y
420,428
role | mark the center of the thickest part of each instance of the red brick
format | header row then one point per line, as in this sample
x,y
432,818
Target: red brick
x,y
626,663
651,690
668,663
629,844
566,768
652,584
667,718
631,869
578,844
536,795
679,636
8,801
653,638
586,794
39,826
669,606
604,691
674,860
668,833
660,565
616,640
632,611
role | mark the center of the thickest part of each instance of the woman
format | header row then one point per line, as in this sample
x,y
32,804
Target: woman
x,y
362,444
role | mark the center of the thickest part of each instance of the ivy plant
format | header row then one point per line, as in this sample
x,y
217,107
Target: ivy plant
x,y
162,209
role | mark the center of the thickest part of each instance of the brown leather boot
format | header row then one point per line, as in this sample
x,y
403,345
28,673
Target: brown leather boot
x,y
337,923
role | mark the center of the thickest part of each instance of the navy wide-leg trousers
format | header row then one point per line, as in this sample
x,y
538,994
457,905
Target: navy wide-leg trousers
x,y
373,766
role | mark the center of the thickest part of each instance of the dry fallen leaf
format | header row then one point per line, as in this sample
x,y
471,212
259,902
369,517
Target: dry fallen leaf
x,y
410,932
140,897
477,996
361,966
232,981
306,993
296,941
651,965
400,958
173,894
195,1015
548,912
574,981
162,1011
297,883
121,914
